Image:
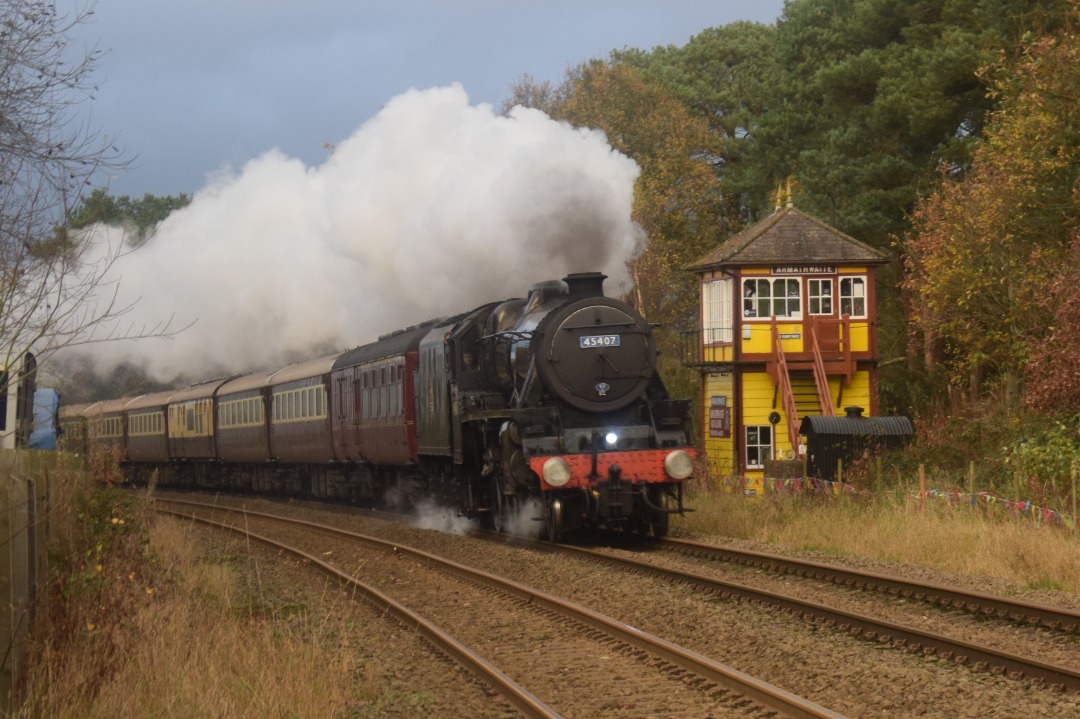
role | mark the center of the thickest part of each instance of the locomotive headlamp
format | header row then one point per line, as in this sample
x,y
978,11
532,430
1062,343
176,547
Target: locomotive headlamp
x,y
611,438
678,464
556,471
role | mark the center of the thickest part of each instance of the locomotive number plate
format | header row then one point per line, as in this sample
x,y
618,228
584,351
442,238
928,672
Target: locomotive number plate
x,y
599,341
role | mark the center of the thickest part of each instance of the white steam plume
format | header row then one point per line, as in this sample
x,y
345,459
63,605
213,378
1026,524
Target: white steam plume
x,y
431,208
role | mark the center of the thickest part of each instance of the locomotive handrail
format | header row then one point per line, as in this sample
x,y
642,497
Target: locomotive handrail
x,y
522,335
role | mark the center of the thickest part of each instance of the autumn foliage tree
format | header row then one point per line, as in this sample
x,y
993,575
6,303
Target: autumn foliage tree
x,y
1053,372
988,247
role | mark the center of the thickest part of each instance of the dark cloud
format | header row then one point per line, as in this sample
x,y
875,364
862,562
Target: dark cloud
x,y
192,86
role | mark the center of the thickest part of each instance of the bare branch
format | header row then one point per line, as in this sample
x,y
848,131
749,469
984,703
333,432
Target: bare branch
x,y
56,287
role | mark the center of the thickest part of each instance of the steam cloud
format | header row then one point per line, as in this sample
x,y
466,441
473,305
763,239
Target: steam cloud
x,y
431,208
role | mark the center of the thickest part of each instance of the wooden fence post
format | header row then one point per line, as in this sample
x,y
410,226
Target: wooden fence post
x,y
15,556
1072,473
24,535
922,487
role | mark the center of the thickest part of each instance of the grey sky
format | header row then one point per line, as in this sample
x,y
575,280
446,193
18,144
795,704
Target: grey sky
x,y
192,87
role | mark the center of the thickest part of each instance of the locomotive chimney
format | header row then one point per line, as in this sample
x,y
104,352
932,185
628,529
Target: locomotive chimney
x,y
853,412
585,284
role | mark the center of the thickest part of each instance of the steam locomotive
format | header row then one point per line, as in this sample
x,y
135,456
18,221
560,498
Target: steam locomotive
x,y
548,405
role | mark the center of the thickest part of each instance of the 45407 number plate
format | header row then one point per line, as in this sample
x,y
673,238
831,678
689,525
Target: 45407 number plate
x,y
600,341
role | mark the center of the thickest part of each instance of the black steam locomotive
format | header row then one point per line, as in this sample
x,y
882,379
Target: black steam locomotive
x,y
549,406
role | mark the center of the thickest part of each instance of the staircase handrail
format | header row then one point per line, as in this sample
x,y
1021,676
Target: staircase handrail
x,y
821,378
783,380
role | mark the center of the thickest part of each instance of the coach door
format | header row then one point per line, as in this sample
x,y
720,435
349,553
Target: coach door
x,y
432,397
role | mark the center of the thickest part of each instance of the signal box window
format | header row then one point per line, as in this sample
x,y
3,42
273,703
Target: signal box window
x,y
719,324
819,297
759,445
853,296
766,298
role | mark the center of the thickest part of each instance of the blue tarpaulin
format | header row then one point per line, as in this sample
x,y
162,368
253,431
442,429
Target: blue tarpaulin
x,y
46,402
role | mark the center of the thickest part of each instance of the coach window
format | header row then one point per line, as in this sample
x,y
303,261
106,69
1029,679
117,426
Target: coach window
x,y
758,445
853,296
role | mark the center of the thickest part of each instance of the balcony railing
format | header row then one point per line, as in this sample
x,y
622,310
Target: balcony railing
x,y
699,347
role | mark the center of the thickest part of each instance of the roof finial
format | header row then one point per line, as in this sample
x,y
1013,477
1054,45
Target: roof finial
x,y
789,200
779,195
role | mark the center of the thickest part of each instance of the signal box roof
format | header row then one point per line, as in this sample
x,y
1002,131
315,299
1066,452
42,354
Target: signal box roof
x,y
789,237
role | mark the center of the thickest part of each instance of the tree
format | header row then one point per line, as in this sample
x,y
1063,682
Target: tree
x,y
987,246
878,94
1053,372
544,96
139,218
53,291
728,76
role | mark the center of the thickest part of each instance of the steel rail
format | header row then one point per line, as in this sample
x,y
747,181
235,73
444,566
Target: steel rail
x,y
1013,665
510,690
971,601
761,692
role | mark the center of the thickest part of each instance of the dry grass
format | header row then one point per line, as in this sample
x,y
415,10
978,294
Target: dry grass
x,y
147,626
955,539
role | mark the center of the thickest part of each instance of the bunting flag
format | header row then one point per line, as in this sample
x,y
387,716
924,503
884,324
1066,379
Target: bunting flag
x,y
812,485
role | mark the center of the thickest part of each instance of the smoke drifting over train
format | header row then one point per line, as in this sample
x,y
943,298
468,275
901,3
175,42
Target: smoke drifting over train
x,y
430,207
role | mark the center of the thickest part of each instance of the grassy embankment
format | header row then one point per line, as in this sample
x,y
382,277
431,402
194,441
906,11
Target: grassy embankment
x,y
898,528
144,621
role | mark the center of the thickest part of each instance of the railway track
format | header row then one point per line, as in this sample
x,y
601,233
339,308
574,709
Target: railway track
x,y
838,669
1015,666
544,640
1054,618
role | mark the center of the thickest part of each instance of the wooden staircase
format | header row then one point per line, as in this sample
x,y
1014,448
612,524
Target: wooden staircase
x,y
804,385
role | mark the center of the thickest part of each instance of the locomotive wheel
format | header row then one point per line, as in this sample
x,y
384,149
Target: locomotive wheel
x,y
660,526
659,520
554,520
